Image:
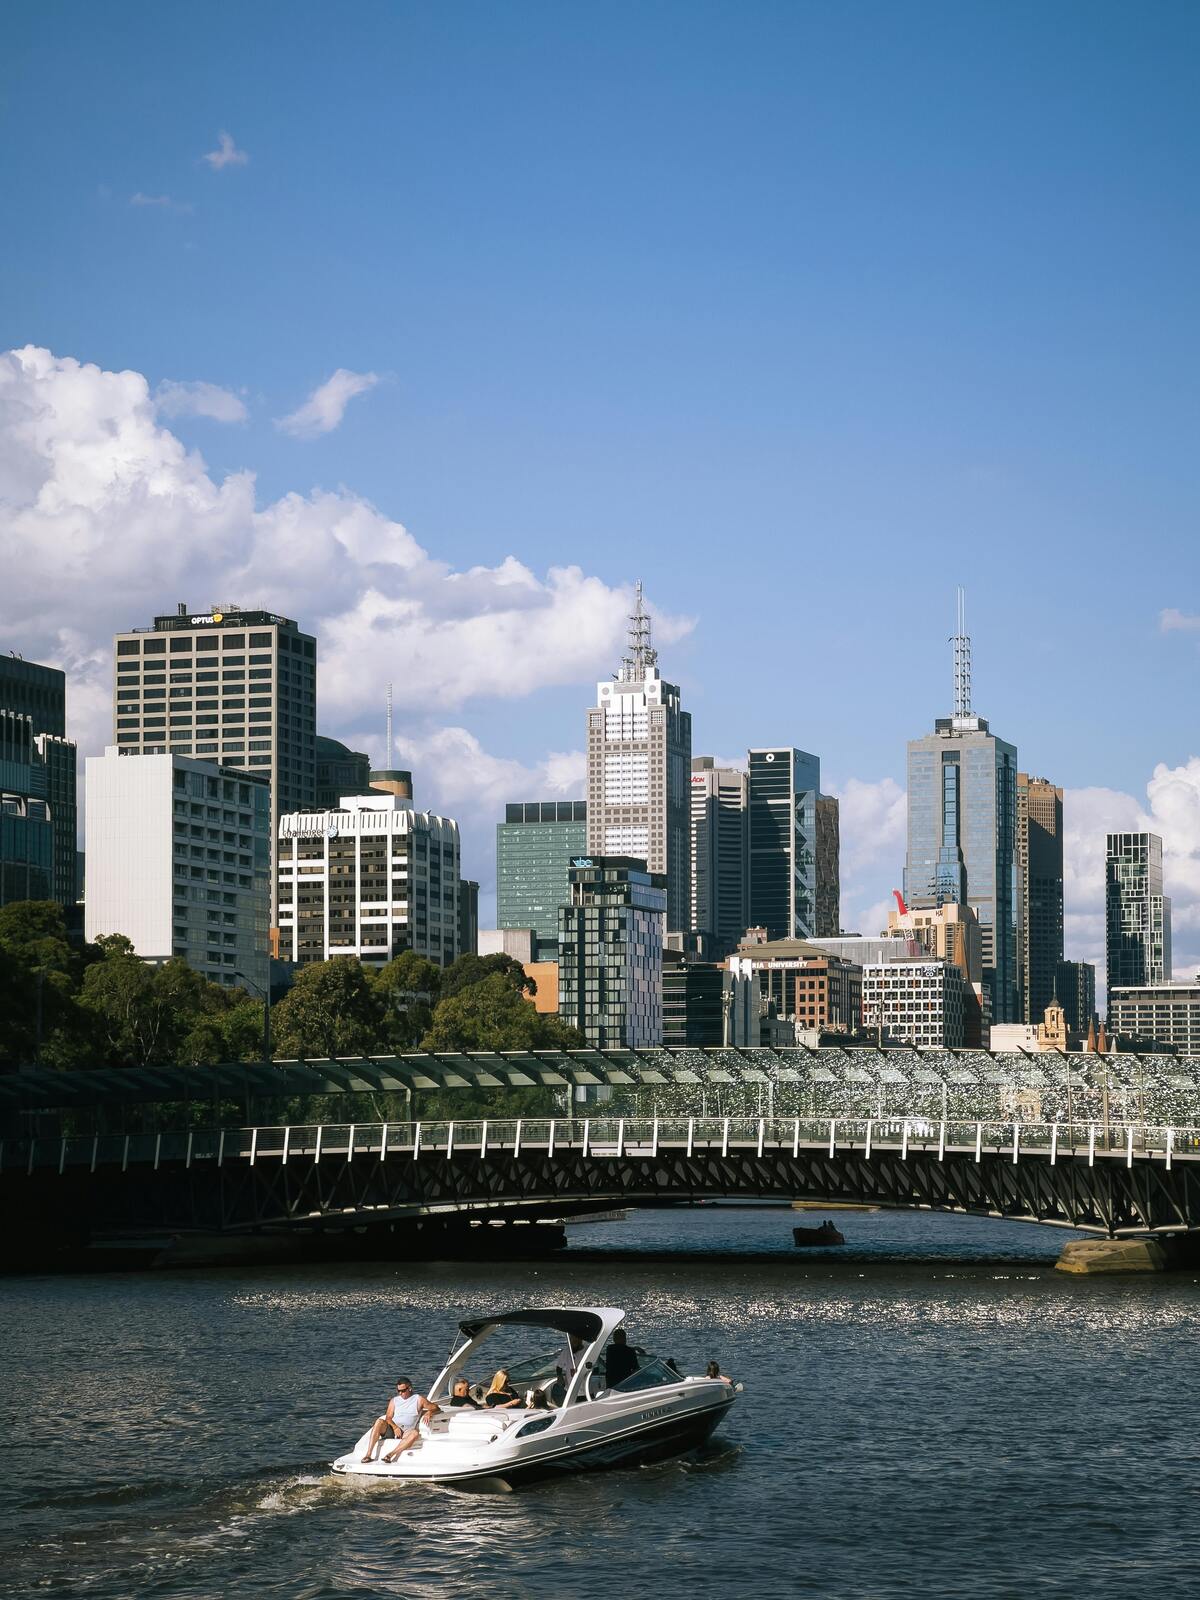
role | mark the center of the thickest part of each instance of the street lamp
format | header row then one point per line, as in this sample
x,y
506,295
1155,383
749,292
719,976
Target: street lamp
x,y
265,996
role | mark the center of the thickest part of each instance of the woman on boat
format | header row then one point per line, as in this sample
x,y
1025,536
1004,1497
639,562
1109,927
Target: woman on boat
x,y
501,1393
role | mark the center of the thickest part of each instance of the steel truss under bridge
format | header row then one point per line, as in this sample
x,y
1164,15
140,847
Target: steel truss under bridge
x,y
1105,1179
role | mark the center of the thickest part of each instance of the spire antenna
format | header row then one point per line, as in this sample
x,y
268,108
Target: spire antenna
x,y
962,660
641,654
389,727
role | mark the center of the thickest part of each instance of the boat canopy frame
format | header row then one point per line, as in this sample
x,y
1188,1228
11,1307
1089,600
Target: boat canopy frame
x,y
593,1324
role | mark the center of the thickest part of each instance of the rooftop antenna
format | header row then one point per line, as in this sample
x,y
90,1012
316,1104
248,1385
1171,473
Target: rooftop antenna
x,y
962,660
642,653
389,727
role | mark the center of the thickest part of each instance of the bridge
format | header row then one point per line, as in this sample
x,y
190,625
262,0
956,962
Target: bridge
x,y
1108,1144
1107,1179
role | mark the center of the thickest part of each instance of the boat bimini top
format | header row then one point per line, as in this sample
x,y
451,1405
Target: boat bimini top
x,y
592,1325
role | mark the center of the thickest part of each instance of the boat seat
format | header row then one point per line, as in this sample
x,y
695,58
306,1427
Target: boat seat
x,y
468,1424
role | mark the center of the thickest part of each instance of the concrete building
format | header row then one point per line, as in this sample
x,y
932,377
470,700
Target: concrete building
x,y
961,838
535,845
610,952
371,879
805,984
783,785
915,1002
1039,836
829,871
340,771
179,860
639,757
1156,1014
1137,912
395,781
718,852
948,932
230,686
519,943
1075,985
37,786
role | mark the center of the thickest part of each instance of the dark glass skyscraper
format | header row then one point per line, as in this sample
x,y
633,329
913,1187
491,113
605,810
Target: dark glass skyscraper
x,y
1137,912
782,813
1040,875
38,778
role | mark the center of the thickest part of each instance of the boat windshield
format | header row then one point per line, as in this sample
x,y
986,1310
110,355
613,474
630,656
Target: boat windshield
x,y
652,1374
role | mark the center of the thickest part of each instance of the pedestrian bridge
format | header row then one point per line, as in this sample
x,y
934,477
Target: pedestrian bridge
x,y
1109,1178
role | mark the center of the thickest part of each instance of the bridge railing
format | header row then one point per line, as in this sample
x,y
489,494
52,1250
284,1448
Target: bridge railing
x,y
599,1137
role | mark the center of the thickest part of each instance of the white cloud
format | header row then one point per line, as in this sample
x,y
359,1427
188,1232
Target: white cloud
x,y
326,405
107,519
226,154
873,820
1173,621
199,400
162,201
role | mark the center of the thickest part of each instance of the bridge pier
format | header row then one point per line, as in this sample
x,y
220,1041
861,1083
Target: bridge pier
x,y
1096,1257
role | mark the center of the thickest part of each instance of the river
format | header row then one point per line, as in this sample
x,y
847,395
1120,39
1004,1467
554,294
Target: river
x,y
940,1414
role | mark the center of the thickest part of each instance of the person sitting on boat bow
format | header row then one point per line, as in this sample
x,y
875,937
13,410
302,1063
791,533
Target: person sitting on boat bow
x,y
501,1394
404,1412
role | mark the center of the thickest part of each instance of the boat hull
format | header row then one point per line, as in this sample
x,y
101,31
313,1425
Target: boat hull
x,y
635,1446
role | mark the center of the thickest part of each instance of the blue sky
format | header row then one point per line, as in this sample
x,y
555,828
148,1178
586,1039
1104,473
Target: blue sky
x,y
801,313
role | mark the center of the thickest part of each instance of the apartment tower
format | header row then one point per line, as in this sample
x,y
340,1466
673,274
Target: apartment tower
x,y
1040,891
1137,912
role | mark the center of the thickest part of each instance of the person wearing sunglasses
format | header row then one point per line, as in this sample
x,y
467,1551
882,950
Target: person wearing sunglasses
x,y
403,1415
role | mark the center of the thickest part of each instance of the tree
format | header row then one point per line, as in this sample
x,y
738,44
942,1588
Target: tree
x,y
408,989
39,978
332,1009
491,1014
147,1014
470,969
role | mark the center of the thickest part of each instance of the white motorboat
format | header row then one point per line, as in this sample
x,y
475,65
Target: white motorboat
x,y
651,1414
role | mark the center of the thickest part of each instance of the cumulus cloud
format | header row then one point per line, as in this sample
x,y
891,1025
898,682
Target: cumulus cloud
x,y
873,820
106,519
326,405
226,154
199,400
1173,621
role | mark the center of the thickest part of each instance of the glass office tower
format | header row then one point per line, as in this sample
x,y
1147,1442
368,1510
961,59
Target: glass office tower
x,y
783,788
1137,912
535,845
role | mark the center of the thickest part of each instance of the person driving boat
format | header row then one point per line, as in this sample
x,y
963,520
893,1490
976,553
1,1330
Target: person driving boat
x,y
501,1393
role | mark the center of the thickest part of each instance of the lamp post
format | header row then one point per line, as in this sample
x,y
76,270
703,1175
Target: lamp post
x,y
265,997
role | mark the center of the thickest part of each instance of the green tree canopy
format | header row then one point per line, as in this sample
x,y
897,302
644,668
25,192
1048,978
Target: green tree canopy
x,y
408,989
469,969
332,1009
491,1014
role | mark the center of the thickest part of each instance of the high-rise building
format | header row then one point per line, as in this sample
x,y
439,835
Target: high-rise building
x,y
340,771
178,860
535,845
1075,985
371,879
639,757
27,853
1039,835
782,790
468,917
829,872
961,820
1137,912
41,770
718,849
230,686
610,953
950,932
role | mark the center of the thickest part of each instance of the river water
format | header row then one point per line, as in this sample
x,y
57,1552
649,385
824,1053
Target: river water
x,y
940,1414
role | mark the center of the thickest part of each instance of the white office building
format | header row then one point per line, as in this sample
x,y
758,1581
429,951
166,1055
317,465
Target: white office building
x,y
915,1002
371,879
178,860
1159,1013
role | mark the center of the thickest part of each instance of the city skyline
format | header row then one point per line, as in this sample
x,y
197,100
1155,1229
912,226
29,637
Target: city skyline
x,y
879,353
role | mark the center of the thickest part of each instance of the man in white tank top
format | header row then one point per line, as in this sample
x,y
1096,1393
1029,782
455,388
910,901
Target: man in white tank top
x,y
404,1412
